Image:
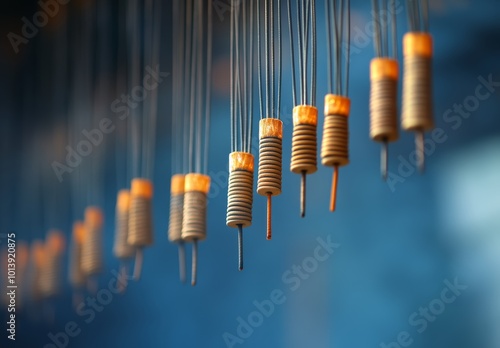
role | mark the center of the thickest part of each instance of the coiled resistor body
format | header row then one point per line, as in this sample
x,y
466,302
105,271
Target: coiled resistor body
x,y
140,222
121,249
50,275
304,145
270,162
417,88
194,220
270,157
304,140
175,220
76,275
383,99
37,252
240,196
335,144
240,190
176,208
92,258
417,82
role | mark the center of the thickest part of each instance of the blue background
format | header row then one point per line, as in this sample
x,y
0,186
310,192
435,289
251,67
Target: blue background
x,y
396,246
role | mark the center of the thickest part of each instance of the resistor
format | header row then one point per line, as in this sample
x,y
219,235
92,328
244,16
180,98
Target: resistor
x,y
37,252
76,275
140,223
304,146
383,105
270,163
121,249
194,222
240,196
22,261
92,258
175,220
417,88
50,276
335,144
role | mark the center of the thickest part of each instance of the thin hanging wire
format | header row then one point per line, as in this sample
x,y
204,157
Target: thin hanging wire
x,y
134,73
338,27
188,29
385,35
155,62
198,95
241,64
307,50
208,85
273,59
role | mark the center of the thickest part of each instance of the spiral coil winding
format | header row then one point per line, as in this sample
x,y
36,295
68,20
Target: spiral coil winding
x,y
92,258
194,222
383,99
176,208
417,88
76,275
140,223
50,273
240,190
240,196
121,249
270,162
50,277
335,144
304,145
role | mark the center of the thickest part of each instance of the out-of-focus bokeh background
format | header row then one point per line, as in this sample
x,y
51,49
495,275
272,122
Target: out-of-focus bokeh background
x,y
416,260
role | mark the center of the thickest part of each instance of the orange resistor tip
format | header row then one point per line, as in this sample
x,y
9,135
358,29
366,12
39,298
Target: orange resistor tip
x,y
305,114
38,253
56,242
177,184
270,127
417,44
79,232
337,105
241,161
141,187
197,182
381,68
93,216
123,200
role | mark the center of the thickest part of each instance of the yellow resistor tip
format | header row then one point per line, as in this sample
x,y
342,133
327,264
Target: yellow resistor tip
x,y
93,216
270,127
337,105
79,232
141,187
177,184
242,161
22,254
384,68
38,253
56,241
417,44
197,182
123,201
305,114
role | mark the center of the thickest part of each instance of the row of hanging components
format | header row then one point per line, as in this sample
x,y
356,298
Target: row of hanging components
x,y
190,184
